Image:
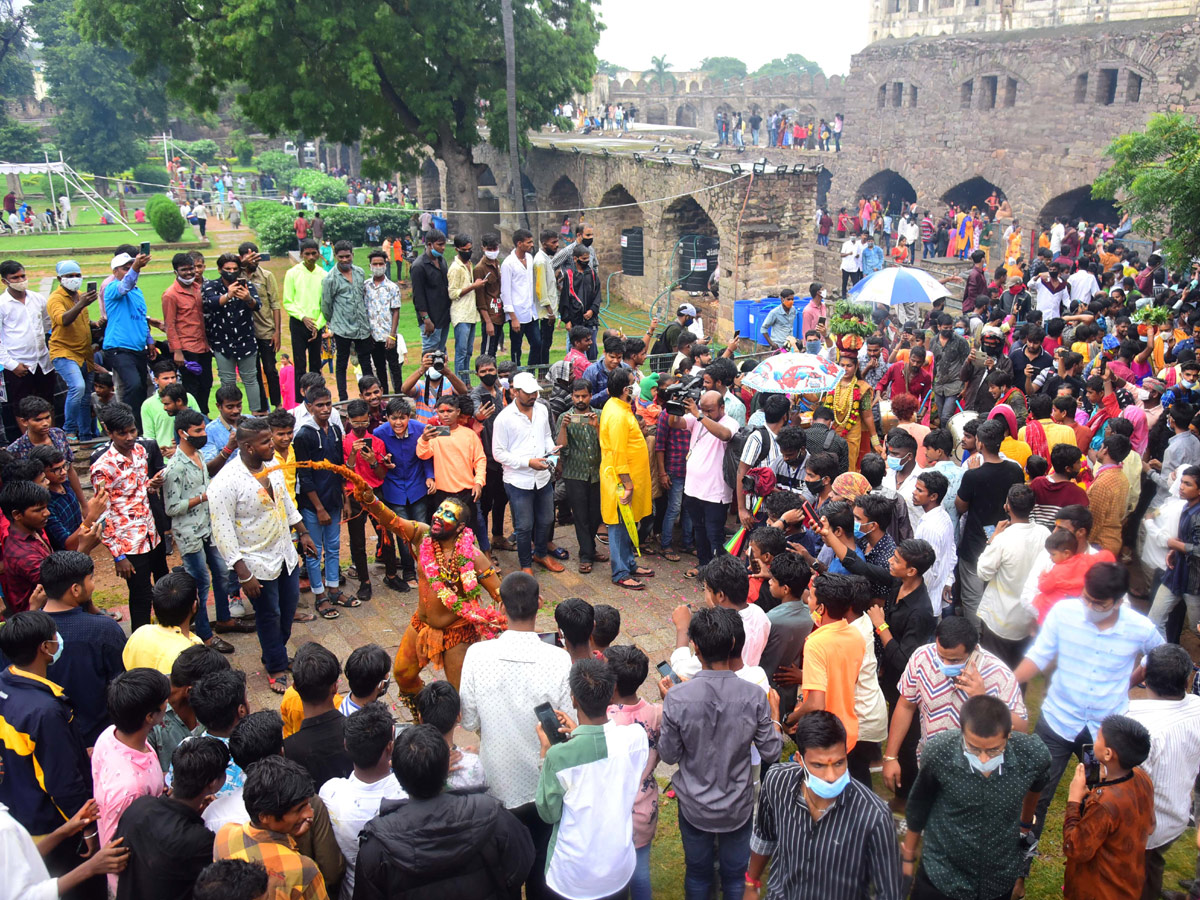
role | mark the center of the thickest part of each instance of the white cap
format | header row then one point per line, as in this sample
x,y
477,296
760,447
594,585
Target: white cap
x,y
524,381
686,309
121,259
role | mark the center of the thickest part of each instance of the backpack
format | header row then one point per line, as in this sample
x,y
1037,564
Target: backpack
x,y
733,451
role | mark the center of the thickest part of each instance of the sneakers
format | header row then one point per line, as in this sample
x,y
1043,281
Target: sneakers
x,y
237,609
396,583
364,591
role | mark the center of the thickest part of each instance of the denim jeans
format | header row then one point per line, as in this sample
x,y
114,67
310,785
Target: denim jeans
x,y
930,249
78,410
414,512
676,512
464,343
622,559
533,516
708,519
128,369
532,331
274,608
639,885
435,341
229,369
328,540
730,850
198,564
754,136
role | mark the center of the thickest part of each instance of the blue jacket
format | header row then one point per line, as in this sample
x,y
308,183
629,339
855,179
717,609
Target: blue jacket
x,y
597,376
872,259
47,775
405,483
125,306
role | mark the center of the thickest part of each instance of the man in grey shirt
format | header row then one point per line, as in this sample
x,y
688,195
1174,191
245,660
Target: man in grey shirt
x,y
709,724
1183,449
791,623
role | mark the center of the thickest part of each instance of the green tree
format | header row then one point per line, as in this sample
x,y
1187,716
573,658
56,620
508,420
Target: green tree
x,y
723,68
102,106
604,67
1155,175
400,77
16,76
792,64
241,147
19,143
659,72
278,165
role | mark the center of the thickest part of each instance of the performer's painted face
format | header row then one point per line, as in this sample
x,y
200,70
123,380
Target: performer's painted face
x,y
447,519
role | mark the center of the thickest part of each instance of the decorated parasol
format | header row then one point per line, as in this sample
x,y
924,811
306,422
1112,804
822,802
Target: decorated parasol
x,y
794,373
898,284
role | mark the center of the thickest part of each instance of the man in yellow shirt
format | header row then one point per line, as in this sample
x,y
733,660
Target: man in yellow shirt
x,y
156,645
1041,406
624,476
302,301
71,346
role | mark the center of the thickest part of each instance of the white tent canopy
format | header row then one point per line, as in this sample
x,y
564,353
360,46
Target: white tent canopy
x,y
71,181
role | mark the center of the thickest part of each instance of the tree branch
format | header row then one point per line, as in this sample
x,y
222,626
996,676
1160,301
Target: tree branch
x,y
403,113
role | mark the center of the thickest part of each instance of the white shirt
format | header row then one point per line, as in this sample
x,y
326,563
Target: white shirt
x,y
502,681
227,808
869,706
304,417
352,804
937,529
1004,565
905,492
516,287
1057,233
1049,302
251,525
853,262
65,202
1174,727
23,327
199,211
1083,286
757,627
516,439
25,875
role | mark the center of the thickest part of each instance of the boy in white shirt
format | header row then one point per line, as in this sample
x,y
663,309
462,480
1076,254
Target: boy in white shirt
x,y
438,705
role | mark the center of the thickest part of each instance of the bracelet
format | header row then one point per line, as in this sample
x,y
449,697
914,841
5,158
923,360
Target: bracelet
x,y
1026,826
119,558
891,759
245,580
907,859
755,883
224,453
880,629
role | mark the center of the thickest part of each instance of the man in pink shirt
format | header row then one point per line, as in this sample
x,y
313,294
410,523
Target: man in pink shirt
x,y
124,767
705,493
816,308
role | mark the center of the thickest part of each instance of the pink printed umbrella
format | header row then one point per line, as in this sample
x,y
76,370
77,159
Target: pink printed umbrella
x,y
794,373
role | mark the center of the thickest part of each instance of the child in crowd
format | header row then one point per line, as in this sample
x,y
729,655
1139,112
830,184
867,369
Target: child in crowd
x,y
1036,467
320,744
67,528
1065,578
576,619
367,670
287,381
439,705
180,722
791,622
104,395
782,509
766,543
26,507
155,646
606,628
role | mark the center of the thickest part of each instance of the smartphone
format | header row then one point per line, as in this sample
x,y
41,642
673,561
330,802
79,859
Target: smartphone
x,y
552,460
91,287
1091,766
736,337
549,722
550,637
1103,366
665,670
810,515
820,321
145,248
439,430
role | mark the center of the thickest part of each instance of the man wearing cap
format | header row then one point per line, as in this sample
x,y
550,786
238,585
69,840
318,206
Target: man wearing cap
x,y
523,444
684,316
71,346
127,336
23,327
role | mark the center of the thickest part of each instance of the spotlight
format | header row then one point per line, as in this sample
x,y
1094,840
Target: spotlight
x,y
657,147
735,168
604,150
781,170
576,151
553,147
691,150
714,154
695,164
670,150
817,169
637,157
760,167
668,162
799,169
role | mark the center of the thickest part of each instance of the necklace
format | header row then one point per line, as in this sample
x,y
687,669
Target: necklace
x,y
846,397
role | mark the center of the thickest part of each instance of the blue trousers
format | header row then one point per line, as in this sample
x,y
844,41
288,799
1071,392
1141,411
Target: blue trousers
x,y
464,343
273,611
323,568
730,850
533,517
676,511
199,564
78,410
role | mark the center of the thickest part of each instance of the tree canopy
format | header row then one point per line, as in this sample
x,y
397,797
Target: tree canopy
x,y
1155,176
792,64
400,77
723,68
660,72
604,67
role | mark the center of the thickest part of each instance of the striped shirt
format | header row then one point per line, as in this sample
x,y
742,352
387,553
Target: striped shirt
x,y
1091,679
1174,727
836,857
940,700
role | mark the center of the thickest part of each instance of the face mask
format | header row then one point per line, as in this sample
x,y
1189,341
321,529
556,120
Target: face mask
x,y
812,346
58,653
433,251
960,331
434,374
344,266
230,276
895,464
814,487
980,766
197,442
378,271
827,790
72,284
952,671
19,285
688,321
587,242
1187,385
488,380
1095,615
858,531
491,254
816,617
185,281
504,384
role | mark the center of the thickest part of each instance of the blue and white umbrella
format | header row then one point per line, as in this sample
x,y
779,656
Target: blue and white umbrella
x,y
898,284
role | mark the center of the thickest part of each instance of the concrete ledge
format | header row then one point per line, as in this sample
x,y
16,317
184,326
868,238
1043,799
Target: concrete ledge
x,y
65,252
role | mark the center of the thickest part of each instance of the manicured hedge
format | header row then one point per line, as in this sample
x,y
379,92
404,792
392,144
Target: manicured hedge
x,y
153,179
321,187
164,217
277,234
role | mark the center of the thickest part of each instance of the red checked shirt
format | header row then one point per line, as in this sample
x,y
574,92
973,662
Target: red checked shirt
x,y
23,556
129,526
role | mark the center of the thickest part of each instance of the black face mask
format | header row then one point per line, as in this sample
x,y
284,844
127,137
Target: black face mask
x,y
587,242
229,276
488,380
814,487
197,442
464,255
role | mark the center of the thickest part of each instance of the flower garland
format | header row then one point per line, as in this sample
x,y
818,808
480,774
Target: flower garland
x,y
464,602
847,421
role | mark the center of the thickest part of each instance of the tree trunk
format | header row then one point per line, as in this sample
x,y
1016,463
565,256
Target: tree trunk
x,y
510,80
462,186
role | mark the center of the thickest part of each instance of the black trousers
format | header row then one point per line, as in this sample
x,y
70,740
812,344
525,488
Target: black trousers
x,y
491,342
494,500
384,360
356,528
199,385
584,500
858,761
147,568
306,351
539,831
34,383
1010,651
362,346
268,376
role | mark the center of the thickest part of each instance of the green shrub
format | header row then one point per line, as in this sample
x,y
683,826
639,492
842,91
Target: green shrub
x,y
259,212
154,179
321,187
164,217
277,235
204,150
278,165
42,185
241,147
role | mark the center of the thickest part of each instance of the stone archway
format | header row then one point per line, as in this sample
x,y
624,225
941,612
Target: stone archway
x,y
656,115
1078,204
689,229
973,192
619,210
894,189
686,116
429,185
564,198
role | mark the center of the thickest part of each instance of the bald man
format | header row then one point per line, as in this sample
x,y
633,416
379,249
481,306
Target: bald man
x,y
705,493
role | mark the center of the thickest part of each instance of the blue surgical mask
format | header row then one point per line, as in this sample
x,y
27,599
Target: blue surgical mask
x,y
895,463
58,653
960,331
1187,385
433,252
980,766
858,532
952,671
1096,615
812,346
827,790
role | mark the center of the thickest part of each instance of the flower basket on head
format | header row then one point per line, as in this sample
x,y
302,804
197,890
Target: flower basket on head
x,y
850,325
1158,316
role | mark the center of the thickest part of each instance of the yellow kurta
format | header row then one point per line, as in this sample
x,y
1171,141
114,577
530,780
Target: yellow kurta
x,y
623,451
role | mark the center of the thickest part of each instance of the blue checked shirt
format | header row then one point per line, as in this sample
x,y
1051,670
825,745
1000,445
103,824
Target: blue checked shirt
x,y
1091,679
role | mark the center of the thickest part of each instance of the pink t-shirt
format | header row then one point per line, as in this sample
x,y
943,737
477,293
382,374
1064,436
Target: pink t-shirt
x,y
645,805
120,775
705,479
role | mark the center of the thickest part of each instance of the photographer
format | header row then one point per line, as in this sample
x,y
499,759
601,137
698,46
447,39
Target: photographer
x,y
229,302
431,381
705,492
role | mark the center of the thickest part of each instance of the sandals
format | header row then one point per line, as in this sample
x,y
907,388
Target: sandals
x,y
630,584
304,617
325,609
691,573
585,568
600,557
560,553
279,684
340,599
643,572
671,556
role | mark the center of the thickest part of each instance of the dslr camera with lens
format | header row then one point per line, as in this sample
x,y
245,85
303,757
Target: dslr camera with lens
x,y
439,360
677,393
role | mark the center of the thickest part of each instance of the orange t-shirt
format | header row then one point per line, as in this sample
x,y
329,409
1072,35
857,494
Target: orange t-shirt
x,y
833,654
902,356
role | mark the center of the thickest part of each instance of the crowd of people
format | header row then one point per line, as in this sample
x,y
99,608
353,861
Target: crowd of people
x,y
980,499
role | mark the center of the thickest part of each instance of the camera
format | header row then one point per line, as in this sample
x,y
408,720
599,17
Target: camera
x,y
676,395
439,360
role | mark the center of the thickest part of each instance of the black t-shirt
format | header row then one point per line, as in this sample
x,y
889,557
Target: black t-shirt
x,y
1019,360
755,121
1055,381
984,490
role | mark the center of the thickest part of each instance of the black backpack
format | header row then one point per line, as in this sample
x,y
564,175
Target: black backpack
x,y
734,447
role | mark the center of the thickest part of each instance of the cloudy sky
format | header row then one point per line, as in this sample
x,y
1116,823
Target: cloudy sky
x,y
687,32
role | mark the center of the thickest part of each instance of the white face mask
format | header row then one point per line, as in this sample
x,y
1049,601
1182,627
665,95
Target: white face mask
x,y
378,271
73,283
186,281
491,254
